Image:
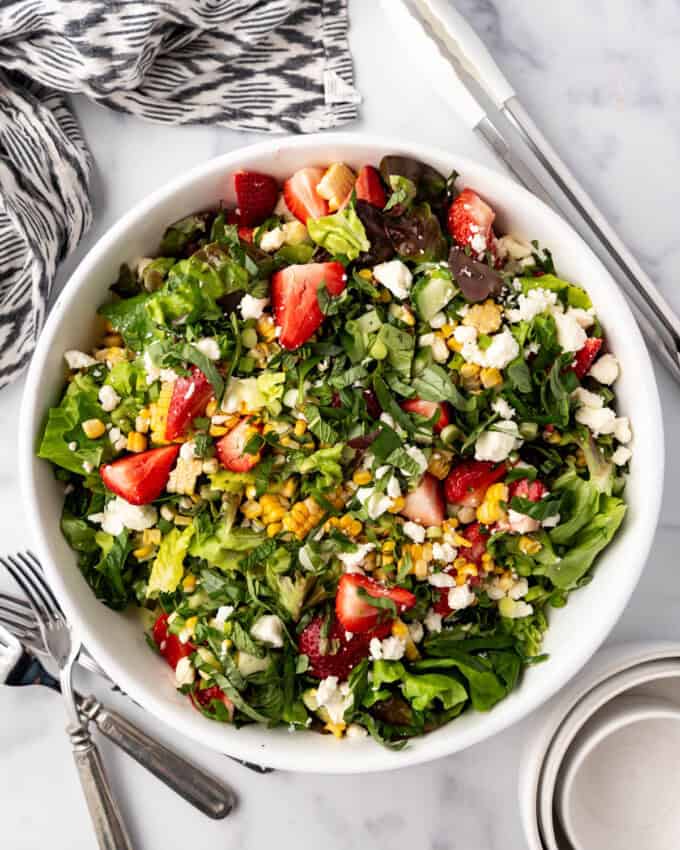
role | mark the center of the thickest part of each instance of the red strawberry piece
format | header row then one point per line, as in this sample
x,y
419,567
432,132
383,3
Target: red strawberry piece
x,y
428,410
525,489
231,447
341,653
244,233
425,504
476,535
358,615
256,196
586,355
369,187
170,646
190,397
468,481
470,222
204,697
301,197
140,478
294,295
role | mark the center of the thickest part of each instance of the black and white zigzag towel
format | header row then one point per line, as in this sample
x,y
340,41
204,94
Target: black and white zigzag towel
x,y
259,65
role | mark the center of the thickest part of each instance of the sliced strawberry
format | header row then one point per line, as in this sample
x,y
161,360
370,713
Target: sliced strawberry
x,y
301,197
355,613
256,196
425,504
337,654
468,481
369,187
428,409
471,217
586,355
170,646
190,397
231,447
294,295
525,489
244,233
476,535
140,478
204,698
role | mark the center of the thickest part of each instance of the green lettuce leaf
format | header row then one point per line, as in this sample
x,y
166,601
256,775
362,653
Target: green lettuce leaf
x,y
579,506
225,546
109,578
421,690
576,297
486,688
341,234
326,462
168,568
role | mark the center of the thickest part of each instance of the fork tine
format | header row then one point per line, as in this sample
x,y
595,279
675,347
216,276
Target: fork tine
x,y
34,597
8,613
34,565
17,608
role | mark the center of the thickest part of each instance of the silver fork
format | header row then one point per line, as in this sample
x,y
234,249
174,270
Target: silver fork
x,y
64,647
189,781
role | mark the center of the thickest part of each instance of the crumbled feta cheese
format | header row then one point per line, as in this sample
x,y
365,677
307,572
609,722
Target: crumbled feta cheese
x,y
478,244
444,552
519,589
501,351
605,369
393,489
622,430
600,420
494,591
513,248
515,610
352,561
570,334
188,450
438,321
208,346
73,446
335,698
223,614
622,455
535,302
268,629
108,398
496,445
584,398
460,597
272,240
465,334
390,649
433,621
585,318
374,503
415,531
168,376
503,409
439,348
395,276
78,359
252,308
184,672
415,629
441,580
119,514
356,732
118,439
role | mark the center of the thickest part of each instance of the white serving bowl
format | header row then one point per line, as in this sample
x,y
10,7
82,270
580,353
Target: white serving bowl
x,y
117,641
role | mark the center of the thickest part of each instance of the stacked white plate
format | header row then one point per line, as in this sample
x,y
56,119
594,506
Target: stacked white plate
x,y
602,769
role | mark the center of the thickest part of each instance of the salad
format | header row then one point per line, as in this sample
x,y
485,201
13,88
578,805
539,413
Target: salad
x,y
345,447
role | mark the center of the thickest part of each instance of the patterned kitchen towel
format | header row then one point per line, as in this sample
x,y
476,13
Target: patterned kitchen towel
x,y
258,65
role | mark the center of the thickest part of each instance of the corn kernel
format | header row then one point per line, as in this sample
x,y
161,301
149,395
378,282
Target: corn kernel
x,y
453,344
367,274
469,370
274,528
440,464
485,318
289,487
191,624
189,583
447,330
136,442
211,409
251,510
336,184
159,412
266,328
93,428
388,546
361,477
151,536
491,378
337,729
143,552
182,520
218,431
420,569
251,491
300,427
490,511
397,505
529,546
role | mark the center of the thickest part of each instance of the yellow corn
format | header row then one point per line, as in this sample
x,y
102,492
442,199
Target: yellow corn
x,y
183,477
440,464
388,546
553,437
266,328
251,491
182,520
420,569
251,510
337,729
450,524
273,508
302,517
111,356
93,428
361,477
367,274
385,295
491,378
485,318
136,442
159,412
336,184
152,536
453,344
447,330
529,546
490,510
397,505
400,630
274,528
143,552
189,583
211,409
288,488
300,427
218,430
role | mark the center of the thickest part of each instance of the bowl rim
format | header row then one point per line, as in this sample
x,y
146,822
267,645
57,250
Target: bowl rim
x,y
366,760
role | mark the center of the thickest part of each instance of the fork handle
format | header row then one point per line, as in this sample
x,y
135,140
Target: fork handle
x,y
189,781
106,817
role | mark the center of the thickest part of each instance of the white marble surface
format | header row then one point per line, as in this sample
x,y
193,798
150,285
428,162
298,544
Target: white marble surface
x,y
600,76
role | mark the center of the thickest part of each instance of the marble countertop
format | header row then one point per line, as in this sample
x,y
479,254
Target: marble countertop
x,y
601,79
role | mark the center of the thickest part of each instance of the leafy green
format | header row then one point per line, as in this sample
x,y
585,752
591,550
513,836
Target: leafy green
x,y
225,546
580,502
79,534
417,235
486,688
341,234
420,690
181,233
108,577
168,567
325,462
575,295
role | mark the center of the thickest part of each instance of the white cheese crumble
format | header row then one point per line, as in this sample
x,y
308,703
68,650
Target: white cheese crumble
x,y
444,552
585,318
375,504
605,369
208,346
584,398
440,351
223,614
78,359
184,672
188,450
501,351
355,731
418,456
433,621
622,455
497,445
352,561
622,430
272,240
119,514
252,308
535,302
600,420
414,530
268,629
441,580
460,597
438,321
390,649
503,409
335,698
570,334
415,629
395,276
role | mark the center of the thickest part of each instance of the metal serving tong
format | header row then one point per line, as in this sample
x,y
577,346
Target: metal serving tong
x,y
456,61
